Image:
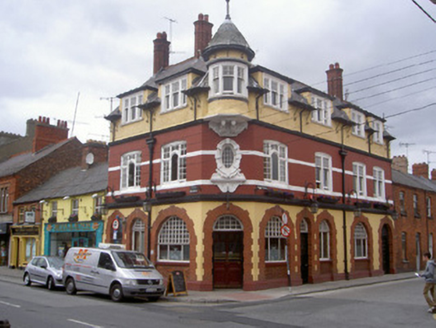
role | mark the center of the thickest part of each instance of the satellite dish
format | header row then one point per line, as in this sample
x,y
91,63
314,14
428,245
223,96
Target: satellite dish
x,y
89,158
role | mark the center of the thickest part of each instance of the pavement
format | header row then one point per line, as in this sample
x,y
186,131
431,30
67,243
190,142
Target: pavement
x,y
237,295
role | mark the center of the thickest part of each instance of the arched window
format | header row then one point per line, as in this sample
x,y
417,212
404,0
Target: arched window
x,y
304,227
360,242
274,241
324,241
138,233
173,240
228,223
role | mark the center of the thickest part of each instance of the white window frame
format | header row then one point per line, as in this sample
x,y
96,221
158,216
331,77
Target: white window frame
x,y
275,161
54,208
174,238
274,237
377,126
323,171
75,206
358,128
173,95
360,242
428,203
322,112
131,112
168,170
430,244
379,182
4,199
98,204
415,204
277,97
127,172
402,201
219,72
324,241
404,246
359,178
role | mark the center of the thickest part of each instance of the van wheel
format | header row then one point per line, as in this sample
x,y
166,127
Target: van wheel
x,y
50,283
116,293
70,287
27,280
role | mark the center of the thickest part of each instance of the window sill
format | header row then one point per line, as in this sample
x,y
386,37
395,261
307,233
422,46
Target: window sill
x,y
131,122
228,96
274,263
170,110
325,260
284,110
172,262
328,125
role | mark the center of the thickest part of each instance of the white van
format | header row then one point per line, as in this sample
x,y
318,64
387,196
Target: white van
x,y
116,272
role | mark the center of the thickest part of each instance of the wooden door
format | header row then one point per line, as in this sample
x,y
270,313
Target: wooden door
x,y
227,259
386,250
304,239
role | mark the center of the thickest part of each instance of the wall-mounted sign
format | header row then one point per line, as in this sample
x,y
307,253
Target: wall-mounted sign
x,y
29,217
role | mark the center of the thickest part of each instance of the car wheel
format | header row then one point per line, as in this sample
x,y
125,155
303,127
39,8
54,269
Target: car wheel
x,y
153,299
116,293
51,283
70,287
26,279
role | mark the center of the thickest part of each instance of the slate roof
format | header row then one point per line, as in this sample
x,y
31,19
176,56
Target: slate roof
x,y
228,37
413,181
17,163
71,182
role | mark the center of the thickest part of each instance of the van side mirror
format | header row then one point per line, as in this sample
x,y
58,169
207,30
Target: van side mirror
x,y
44,266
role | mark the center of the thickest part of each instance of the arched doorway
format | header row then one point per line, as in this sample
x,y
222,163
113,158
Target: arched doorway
x,y
304,248
228,237
386,258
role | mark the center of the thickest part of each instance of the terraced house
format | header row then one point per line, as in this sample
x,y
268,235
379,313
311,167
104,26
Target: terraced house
x,y
228,170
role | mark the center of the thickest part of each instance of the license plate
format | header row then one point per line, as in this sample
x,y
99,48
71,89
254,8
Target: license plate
x,y
151,290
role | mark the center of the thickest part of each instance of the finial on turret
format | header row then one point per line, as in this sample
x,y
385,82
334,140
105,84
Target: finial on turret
x,y
228,10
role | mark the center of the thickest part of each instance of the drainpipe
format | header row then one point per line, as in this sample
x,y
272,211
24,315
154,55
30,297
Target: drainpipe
x,y
343,154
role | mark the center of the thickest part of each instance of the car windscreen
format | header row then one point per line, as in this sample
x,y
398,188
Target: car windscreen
x,y
131,260
55,262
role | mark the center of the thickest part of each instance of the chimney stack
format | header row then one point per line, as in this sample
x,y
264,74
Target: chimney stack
x,y
420,170
400,163
203,34
46,134
334,81
161,52
433,174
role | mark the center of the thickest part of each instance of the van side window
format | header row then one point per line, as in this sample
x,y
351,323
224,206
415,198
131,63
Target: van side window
x,y
105,261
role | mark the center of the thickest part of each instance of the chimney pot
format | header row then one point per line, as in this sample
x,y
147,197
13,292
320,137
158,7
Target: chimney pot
x,y
200,17
206,18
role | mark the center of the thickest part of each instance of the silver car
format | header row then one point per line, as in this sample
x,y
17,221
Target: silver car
x,y
44,270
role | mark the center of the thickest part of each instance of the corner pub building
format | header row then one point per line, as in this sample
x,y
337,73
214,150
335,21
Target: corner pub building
x,y
210,157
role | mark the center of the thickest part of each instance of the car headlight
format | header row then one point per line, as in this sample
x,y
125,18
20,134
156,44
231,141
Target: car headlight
x,y
130,282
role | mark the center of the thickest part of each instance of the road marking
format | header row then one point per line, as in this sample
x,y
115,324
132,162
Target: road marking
x,y
10,304
84,323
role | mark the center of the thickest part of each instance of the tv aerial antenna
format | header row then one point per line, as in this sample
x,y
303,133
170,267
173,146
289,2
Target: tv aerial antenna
x,y
111,99
407,145
171,22
428,152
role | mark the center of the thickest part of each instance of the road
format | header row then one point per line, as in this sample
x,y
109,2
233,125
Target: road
x,y
393,304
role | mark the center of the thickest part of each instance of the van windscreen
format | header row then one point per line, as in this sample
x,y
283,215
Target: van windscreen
x,y
131,260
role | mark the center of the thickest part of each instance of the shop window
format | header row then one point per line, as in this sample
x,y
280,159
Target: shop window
x,y
138,235
173,241
360,242
274,241
324,241
227,223
30,249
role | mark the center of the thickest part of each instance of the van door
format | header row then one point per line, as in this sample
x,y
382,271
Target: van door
x,y
103,273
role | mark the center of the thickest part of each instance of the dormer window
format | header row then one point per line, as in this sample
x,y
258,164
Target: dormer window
x,y
277,97
228,79
173,95
131,111
359,120
378,131
321,114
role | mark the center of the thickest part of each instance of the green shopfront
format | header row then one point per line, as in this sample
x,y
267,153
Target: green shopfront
x,y
59,237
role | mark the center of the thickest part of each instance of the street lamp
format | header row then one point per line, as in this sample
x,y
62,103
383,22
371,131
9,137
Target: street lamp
x,y
313,203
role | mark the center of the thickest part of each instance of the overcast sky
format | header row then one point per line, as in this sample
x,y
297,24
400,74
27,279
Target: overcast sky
x,y
50,51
